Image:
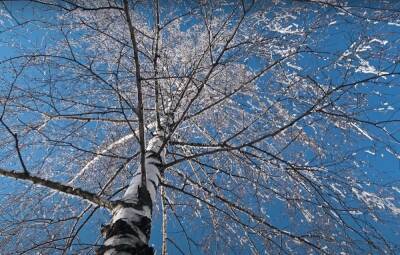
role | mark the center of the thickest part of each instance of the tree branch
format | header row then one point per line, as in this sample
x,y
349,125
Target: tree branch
x,y
139,109
59,187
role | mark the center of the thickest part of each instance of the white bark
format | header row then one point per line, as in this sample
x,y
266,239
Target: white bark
x,y
129,229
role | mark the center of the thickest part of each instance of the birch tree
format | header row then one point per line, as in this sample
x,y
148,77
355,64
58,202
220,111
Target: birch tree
x,y
208,127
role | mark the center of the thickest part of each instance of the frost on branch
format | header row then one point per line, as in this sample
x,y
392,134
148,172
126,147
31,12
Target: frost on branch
x,y
281,126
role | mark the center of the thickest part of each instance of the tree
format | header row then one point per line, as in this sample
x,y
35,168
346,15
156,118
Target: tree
x,y
239,127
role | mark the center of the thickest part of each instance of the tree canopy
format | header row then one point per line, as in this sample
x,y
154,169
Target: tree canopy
x,y
227,127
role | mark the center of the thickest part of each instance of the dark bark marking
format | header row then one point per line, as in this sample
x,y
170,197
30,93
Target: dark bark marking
x,y
154,155
138,250
154,184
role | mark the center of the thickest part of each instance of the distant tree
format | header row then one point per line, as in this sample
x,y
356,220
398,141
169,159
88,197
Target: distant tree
x,y
243,127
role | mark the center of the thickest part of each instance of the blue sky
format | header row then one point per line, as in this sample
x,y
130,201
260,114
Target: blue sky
x,y
381,166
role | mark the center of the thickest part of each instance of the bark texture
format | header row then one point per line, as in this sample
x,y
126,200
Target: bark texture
x,y
129,229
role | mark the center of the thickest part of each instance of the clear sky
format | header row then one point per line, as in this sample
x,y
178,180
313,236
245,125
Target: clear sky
x,y
358,41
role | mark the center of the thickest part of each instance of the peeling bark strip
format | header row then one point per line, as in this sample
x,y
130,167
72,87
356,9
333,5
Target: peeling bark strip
x,y
129,230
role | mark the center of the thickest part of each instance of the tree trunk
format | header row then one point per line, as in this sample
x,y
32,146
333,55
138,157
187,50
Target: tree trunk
x,y
129,229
